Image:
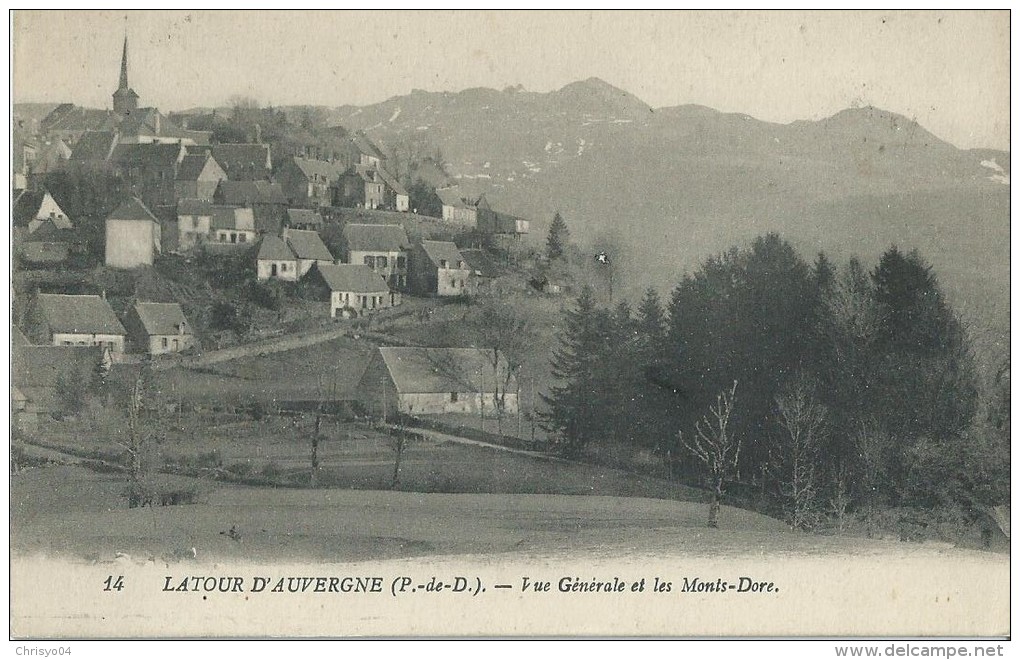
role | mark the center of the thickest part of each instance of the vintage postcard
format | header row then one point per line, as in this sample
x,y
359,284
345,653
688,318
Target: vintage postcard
x,y
510,324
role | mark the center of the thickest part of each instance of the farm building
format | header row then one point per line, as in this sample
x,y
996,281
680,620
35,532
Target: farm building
x,y
490,221
194,220
439,269
429,381
64,320
308,182
158,328
39,371
354,289
455,209
132,236
383,248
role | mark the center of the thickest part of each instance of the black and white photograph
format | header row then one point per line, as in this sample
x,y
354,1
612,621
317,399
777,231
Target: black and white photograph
x,y
511,324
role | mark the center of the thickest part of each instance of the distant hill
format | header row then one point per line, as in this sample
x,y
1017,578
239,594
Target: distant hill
x,y
677,184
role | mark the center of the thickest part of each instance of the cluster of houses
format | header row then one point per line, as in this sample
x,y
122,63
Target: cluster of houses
x,y
185,193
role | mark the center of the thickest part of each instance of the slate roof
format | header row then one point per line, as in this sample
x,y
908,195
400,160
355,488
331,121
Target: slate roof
x,y
356,278
306,244
246,193
317,168
451,197
480,262
132,209
439,251
438,370
232,217
366,146
78,314
243,162
149,154
94,146
274,248
391,182
70,117
191,206
192,165
375,238
162,318
41,366
150,121
26,206
303,217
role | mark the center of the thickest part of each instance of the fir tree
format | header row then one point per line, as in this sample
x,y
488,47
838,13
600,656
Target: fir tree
x,y
558,237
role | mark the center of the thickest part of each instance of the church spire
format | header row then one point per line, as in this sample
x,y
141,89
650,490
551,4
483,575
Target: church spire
x,y
123,67
125,101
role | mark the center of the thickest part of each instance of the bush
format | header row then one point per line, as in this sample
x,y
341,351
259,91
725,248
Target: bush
x,y
271,471
241,469
210,459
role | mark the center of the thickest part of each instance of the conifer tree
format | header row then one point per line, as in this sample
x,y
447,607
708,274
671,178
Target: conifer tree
x,y
558,237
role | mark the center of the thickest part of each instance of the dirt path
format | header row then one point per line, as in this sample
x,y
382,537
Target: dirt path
x,y
446,437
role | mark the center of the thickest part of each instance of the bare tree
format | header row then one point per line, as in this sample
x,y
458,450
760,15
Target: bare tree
x,y
839,503
324,396
505,334
795,461
138,445
716,447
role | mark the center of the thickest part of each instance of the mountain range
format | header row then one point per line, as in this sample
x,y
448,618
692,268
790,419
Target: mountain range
x,y
670,186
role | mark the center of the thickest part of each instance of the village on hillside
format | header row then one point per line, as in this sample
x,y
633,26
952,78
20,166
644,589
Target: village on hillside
x,y
101,196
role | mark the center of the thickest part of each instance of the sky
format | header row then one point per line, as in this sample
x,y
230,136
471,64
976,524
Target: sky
x,y
947,70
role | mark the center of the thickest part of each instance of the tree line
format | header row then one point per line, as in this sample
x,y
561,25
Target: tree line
x,y
827,388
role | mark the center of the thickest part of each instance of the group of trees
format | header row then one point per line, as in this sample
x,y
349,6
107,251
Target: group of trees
x,y
857,388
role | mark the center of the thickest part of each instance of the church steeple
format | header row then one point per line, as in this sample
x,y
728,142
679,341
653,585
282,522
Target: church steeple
x,y
123,67
125,101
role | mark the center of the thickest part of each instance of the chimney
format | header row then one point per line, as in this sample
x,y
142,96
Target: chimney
x,y
258,134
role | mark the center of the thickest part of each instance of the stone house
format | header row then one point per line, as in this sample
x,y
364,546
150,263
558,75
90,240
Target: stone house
x,y
383,248
354,289
75,320
132,236
437,268
198,176
158,328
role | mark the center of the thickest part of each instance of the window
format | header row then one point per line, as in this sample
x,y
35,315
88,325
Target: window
x,y
233,238
370,261
453,397
443,263
242,238
401,262
382,262
283,268
165,343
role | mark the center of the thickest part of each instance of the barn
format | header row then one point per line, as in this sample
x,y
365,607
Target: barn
x,y
430,381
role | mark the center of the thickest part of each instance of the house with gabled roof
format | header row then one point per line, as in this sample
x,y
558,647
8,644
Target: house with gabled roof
x,y
482,267
308,182
360,186
198,176
194,222
437,268
456,209
354,289
35,210
490,221
241,162
308,248
395,196
383,248
275,260
430,381
158,328
150,169
366,151
94,147
265,198
74,320
132,235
